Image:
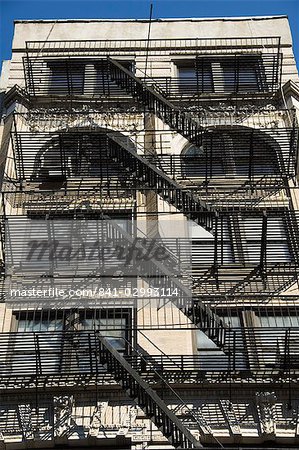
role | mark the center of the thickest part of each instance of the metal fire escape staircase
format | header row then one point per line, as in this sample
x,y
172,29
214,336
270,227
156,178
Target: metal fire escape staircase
x,y
171,191
148,174
163,108
198,313
123,372
145,397
277,280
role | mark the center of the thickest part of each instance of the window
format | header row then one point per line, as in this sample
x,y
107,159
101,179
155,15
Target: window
x,y
48,164
78,77
205,80
231,152
44,320
214,359
113,324
63,340
203,245
278,338
192,161
193,151
222,74
73,154
277,245
84,154
243,74
66,77
187,73
194,77
45,347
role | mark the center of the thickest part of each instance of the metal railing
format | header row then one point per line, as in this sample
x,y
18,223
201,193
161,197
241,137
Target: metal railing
x,y
59,354
156,46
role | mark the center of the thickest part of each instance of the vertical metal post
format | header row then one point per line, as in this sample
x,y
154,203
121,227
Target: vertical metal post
x,y
251,157
237,74
215,268
263,254
17,153
62,155
69,85
206,157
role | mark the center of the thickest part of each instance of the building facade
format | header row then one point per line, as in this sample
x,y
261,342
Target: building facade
x,y
178,133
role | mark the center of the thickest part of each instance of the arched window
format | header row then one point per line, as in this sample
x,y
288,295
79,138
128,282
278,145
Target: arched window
x,y
232,152
72,154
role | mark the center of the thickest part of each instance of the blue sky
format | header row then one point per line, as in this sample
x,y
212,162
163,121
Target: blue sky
x,y
66,9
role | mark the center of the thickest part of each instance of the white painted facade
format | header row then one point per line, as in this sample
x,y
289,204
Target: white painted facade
x,y
219,406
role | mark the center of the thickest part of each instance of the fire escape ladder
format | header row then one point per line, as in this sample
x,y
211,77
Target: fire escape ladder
x,y
253,194
24,419
2,237
292,163
208,322
276,279
145,397
285,275
198,313
293,233
163,108
148,174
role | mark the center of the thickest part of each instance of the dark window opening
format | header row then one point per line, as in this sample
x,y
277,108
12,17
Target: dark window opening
x,y
76,155
243,74
195,77
231,153
114,324
228,74
78,77
193,151
67,77
187,73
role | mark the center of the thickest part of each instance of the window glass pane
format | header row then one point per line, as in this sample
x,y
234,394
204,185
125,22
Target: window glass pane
x,y
243,74
50,345
112,328
196,76
58,80
187,72
279,321
247,80
40,325
205,75
66,77
193,151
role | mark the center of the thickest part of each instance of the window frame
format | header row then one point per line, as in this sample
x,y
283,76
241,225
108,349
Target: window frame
x,y
209,79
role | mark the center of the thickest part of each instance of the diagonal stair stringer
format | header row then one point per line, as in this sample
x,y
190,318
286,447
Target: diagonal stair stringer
x,y
145,397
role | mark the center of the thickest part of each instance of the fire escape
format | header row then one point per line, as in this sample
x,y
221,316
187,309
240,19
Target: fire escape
x,y
233,181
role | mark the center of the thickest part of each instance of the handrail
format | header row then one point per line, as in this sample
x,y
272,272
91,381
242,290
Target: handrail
x,y
146,397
